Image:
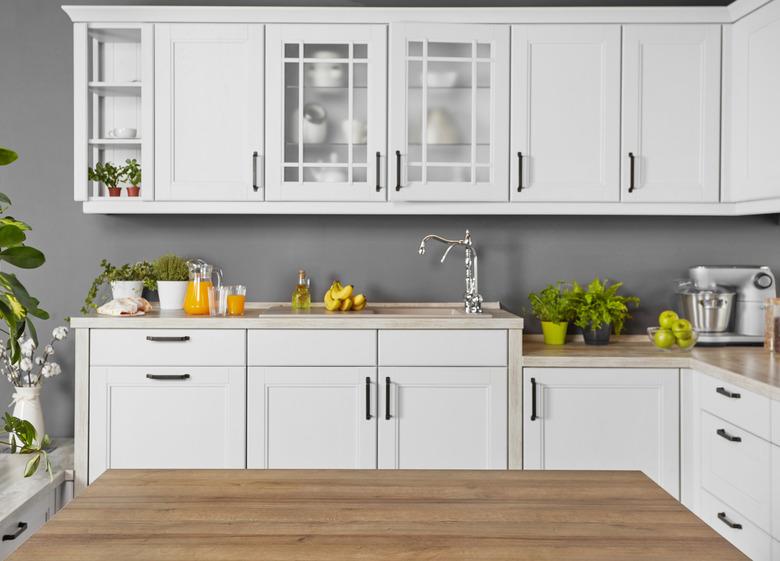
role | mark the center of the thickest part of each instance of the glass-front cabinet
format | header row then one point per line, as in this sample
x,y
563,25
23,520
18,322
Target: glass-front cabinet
x,y
449,112
327,111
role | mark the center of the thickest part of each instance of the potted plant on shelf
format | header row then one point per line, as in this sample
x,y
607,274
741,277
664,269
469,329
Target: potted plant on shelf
x,y
127,280
132,173
172,275
600,310
554,307
109,175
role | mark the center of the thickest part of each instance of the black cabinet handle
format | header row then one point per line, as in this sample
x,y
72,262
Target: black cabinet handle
x,y
723,434
368,398
723,391
168,376
519,171
631,172
181,339
723,518
18,532
378,173
397,170
533,399
387,398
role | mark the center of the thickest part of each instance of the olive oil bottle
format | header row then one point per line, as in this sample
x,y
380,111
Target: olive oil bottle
x,y
301,297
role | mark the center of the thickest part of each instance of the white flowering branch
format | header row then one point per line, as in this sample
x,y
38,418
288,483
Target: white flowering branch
x,y
29,370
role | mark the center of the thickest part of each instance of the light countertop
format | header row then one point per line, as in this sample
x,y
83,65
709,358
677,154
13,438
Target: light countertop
x,y
16,490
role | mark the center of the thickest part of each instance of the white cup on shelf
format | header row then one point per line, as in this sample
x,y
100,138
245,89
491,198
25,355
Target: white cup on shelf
x,y
122,133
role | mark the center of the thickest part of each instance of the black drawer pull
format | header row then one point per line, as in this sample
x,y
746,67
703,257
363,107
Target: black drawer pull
x,y
723,391
631,172
397,170
723,518
533,399
368,398
387,398
519,172
168,376
181,339
378,172
19,530
723,434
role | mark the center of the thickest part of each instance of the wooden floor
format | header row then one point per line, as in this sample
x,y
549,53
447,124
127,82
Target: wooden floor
x,y
375,515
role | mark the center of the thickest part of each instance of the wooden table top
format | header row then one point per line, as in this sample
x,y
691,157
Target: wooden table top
x,y
193,515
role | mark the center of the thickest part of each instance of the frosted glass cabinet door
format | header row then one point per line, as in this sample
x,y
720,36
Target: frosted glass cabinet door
x,y
671,113
565,113
449,112
327,109
209,111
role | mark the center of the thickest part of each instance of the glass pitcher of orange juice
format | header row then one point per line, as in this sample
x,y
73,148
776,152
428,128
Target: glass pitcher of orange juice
x,y
196,300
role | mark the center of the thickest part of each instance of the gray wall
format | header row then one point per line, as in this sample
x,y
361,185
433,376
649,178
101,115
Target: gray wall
x,y
378,254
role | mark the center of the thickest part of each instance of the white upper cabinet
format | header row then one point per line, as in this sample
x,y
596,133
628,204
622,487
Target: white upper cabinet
x,y
334,148
671,113
449,112
565,113
751,109
209,111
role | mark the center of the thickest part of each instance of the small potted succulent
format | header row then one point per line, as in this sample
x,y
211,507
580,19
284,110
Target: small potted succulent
x,y
554,307
600,310
172,276
127,280
132,174
109,175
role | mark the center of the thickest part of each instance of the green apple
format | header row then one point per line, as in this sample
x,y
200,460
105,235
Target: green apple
x,y
664,339
686,342
667,318
681,327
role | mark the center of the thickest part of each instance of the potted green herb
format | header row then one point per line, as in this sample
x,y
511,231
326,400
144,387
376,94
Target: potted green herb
x,y
553,306
172,274
109,175
132,173
127,280
599,310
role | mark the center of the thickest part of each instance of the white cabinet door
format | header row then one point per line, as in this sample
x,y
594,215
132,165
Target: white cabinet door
x,y
442,418
334,149
449,112
775,484
208,111
311,417
671,113
565,113
166,417
751,117
603,419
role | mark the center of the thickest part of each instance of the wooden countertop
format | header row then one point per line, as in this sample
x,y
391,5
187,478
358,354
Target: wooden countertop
x,y
375,515
751,368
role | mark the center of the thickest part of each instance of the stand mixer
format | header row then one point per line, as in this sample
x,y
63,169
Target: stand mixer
x,y
726,304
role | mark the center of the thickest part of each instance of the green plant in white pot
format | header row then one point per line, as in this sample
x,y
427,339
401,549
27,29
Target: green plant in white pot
x,y
172,276
600,310
553,306
127,280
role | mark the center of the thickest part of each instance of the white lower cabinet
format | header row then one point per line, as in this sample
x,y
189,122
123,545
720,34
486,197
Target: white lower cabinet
x,y
775,465
166,417
311,417
25,521
775,550
442,418
603,419
736,528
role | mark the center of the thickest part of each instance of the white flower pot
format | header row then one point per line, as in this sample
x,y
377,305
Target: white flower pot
x,y
123,289
27,406
171,294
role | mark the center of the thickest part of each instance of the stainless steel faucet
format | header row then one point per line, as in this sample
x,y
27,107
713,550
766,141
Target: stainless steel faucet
x,y
472,299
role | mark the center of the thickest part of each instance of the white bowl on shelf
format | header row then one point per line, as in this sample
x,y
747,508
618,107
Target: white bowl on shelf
x,y
445,79
122,132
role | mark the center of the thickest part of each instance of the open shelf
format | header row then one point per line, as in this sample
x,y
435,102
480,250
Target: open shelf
x,y
114,141
115,35
130,89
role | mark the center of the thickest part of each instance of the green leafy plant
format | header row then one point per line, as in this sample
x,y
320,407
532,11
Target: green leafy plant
x,y
16,305
171,267
21,439
140,271
554,303
600,303
132,172
106,173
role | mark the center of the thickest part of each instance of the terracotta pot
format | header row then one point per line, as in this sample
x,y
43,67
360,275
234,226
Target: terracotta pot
x,y
133,190
114,191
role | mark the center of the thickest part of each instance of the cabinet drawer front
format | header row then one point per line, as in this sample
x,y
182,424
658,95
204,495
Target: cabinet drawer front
x,y
443,348
749,539
312,347
26,521
776,422
736,471
167,347
743,408
776,491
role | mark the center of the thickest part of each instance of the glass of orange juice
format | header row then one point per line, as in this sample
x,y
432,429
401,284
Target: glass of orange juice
x,y
236,299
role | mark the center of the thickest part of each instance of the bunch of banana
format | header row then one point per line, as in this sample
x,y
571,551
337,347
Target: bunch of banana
x,y
340,298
